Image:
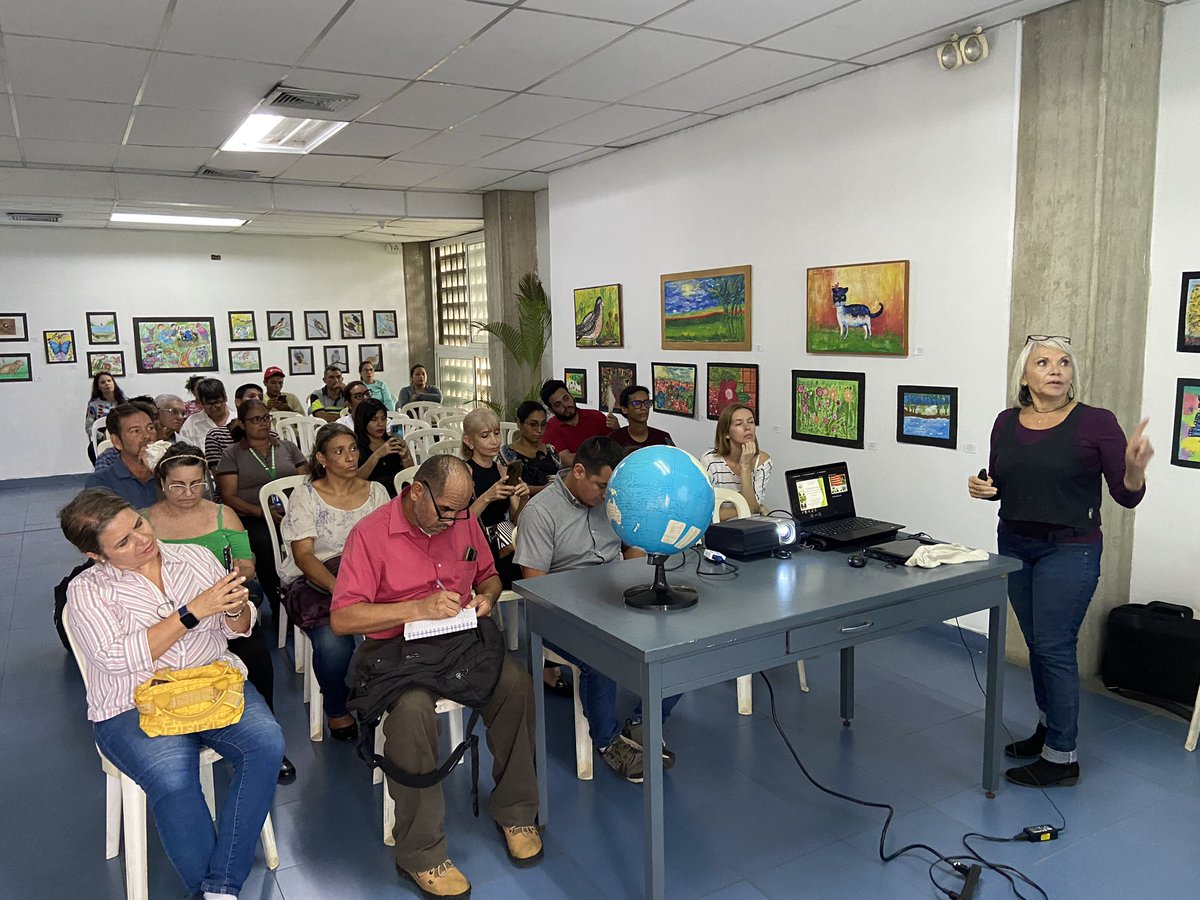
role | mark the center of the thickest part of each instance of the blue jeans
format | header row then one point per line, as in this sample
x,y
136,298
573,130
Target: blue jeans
x,y
598,694
331,662
1050,595
167,768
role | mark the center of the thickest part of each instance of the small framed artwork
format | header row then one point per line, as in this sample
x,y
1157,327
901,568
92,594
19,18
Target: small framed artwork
x,y
337,355
373,352
576,381
598,316
353,327
385,323
110,361
614,378
245,359
1185,445
102,328
1189,314
60,346
241,327
673,388
828,407
15,367
316,325
706,310
731,383
279,325
14,327
927,415
300,361
861,309
175,345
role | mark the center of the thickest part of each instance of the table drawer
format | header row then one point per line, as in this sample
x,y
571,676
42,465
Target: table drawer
x,y
736,657
852,628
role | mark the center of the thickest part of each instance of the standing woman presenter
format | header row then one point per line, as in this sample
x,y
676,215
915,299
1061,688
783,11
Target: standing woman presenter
x,y
1048,455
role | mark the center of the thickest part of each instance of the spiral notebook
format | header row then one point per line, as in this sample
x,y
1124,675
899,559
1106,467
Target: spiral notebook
x,y
423,628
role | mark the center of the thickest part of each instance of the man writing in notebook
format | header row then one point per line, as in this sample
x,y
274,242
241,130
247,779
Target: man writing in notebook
x,y
424,557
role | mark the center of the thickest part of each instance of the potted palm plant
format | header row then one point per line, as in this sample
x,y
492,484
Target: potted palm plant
x,y
525,341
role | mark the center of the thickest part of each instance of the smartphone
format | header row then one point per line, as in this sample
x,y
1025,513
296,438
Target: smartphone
x,y
514,472
396,431
227,555
983,475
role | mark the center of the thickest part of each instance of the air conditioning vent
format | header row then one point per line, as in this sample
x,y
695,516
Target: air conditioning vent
x,y
34,216
238,174
289,98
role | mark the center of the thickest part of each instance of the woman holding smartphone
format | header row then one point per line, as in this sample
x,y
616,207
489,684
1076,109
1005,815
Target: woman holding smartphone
x,y
381,457
499,490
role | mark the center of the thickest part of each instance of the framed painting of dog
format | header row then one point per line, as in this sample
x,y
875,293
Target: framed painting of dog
x,y
860,309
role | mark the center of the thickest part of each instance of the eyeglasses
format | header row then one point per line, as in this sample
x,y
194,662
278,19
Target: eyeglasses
x,y
220,401
258,420
454,515
1042,338
178,488
171,411
641,404
535,424
359,395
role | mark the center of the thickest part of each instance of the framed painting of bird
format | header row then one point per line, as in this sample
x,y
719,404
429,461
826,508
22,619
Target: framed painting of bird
x,y
598,320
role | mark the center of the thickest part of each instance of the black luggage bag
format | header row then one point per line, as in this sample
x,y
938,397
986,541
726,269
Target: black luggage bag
x,y
1152,654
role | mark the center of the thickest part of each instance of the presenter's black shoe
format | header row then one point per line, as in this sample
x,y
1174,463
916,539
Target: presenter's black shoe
x,y
1030,747
287,772
346,734
633,731
1043,773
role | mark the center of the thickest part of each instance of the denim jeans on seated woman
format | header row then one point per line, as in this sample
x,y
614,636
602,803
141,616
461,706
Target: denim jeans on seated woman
x,y
1050,595
167,768
331,663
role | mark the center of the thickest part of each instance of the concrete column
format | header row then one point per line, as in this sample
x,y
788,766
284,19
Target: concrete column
x,y
1085,184
510,239
418,310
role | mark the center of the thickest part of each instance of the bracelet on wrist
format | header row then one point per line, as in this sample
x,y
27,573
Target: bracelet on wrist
x,y
238,614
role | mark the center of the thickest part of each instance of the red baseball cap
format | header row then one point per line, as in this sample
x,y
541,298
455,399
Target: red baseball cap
x,y
272,372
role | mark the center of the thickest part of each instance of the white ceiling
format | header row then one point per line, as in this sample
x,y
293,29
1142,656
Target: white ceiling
x,y
108,104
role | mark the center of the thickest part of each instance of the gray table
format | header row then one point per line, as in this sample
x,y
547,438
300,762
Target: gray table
x,y
775,612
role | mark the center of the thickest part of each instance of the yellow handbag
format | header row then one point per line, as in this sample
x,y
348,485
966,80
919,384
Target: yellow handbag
x,y
184,701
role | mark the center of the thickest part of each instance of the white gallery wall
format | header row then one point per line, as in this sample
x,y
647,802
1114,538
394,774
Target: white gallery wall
x,y
56,276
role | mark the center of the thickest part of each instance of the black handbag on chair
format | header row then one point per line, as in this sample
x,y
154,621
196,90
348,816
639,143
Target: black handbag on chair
x,y
1152,654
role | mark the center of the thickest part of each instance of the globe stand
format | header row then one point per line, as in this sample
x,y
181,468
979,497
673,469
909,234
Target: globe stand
x,y
660,595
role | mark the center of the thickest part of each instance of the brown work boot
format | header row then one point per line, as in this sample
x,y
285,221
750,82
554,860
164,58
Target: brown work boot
x,y
524,844
443,880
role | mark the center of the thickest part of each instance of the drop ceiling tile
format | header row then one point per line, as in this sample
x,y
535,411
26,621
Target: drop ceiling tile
x,y
394,173
746,21
865,26
335,169
428,104
451,148
466,178
202,82
610,124
68,153
530,155
527,114
382,141
276,31
504,56
575,160
398,38
728,78
268,165
782,90
162,159
526,181
632,64
72,120
45,67
371,90
9,151
157,126
130,23
932,38
6,124
631,12
669,128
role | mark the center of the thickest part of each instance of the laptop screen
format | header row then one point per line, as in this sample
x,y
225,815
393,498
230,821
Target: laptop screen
x,y
820,493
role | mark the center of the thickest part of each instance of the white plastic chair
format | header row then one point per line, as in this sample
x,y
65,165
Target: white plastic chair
x,y
124,799
745,683
448,447
443,706
306,428
408,424
583,733
105,444
1194,727
508,432
446,417
418,408
420,441
404,478
99,429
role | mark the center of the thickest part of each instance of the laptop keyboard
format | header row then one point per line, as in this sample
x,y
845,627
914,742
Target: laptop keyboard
x,y
842,526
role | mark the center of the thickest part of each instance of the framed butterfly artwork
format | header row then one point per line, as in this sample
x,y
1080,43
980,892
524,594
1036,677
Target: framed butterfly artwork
x,y
60,346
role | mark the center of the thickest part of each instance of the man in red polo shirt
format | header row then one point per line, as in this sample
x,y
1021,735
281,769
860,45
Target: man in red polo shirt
x,y
423,556
571,426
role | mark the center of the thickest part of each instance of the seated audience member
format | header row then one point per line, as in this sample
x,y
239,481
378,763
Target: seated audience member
x,y
106,394
277,399
565,527
218,439
571,426
146,605
184,516
356,393
254,459
192,406
131,431
496,501
215,412
377,387
321,513
636,403
329,403
380,457
418,389
539,460
420,557
170,416
111,454
735,461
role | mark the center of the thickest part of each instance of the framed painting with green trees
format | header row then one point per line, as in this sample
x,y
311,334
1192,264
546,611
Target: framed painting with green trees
x,y
706,310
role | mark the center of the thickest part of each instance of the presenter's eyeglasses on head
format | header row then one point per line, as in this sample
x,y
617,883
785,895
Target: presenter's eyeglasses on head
x,y
447,515
1042,338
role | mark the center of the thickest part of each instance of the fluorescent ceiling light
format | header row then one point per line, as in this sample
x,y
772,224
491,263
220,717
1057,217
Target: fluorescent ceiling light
x,y
151,219
263,133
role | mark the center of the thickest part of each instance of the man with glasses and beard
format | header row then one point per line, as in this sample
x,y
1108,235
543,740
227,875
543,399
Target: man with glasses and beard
x,y
571,426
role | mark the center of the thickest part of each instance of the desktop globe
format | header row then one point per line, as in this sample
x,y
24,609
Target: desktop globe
x,y
659,500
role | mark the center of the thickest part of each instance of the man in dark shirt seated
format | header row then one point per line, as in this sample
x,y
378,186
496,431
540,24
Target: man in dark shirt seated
x,y
131,431
571,426
636,402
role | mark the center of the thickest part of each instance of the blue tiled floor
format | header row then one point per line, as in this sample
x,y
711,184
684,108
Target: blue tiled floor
x,y
743,823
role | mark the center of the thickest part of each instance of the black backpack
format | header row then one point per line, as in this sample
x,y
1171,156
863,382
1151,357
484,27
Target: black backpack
x,y
60,601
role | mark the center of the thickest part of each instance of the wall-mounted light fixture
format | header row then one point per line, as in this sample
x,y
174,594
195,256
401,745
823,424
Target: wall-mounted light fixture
x,y
959,51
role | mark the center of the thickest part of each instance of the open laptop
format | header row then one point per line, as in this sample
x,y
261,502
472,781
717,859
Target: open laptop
x,y
823,507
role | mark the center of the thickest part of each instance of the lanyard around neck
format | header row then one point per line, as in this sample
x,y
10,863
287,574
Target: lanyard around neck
x,y
262,462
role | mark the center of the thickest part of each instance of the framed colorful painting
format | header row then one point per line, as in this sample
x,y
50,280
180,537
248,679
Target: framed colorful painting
x,y
279,325
102,328
1189,314
15,367
1185,445
110,361
706,310
927,415
598,316
175,345
245,359
337,355
731,383
300,361
373,352
353,326
59,346
673,388
828,407
576,381
614,378
316,325
241,327
14,327
385,323
861,308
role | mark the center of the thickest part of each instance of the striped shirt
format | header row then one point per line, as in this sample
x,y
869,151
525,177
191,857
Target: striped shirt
x,y
111,610
721,476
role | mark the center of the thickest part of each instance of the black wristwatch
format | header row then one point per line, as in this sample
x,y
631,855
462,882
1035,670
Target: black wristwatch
x,y
189,621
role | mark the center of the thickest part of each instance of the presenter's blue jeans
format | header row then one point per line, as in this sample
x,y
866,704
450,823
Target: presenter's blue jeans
x,y
331,661
598,694
167,768
1050,595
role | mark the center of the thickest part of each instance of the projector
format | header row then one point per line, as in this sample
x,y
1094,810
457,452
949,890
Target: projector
x,y
753,536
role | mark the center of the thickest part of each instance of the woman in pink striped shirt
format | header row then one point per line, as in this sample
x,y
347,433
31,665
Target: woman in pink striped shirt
x,y
145,606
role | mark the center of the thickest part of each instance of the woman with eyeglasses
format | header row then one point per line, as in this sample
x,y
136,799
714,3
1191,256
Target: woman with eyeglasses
x,y
539,460
636,404
214,412
380,456
376,387
1049,452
